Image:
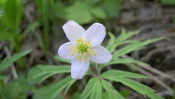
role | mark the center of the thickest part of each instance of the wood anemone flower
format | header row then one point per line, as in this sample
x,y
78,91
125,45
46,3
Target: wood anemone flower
x,y
84,46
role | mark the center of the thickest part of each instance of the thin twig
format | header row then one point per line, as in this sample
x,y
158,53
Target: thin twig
x,y
165,93
154,70
148,74
151,76
158,72
162,49
13,69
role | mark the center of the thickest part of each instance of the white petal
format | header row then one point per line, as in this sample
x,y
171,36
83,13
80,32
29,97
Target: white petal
x,y
65,50
95,34
102,55
79,68
73,30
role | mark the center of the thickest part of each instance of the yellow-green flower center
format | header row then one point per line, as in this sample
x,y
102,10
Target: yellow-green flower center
x,y
81,47
84,49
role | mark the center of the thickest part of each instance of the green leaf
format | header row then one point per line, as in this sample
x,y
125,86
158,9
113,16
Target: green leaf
x,y
168,2
2,87
112,7
112,93
52,91
127,49
111,42
4,77
134,46
125,61
122,39
125,35
124,93
98,12
88,89
69,85
79,12
96,91
138,87
119,73
15,89
75,95
42,72
59,10
8,61
4,35
2,2
62,59
44,7
13,13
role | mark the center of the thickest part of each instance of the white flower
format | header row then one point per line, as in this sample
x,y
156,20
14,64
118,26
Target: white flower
x,y
84,46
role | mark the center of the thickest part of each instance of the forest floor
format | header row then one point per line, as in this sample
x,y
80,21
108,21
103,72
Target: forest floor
x,y
152,19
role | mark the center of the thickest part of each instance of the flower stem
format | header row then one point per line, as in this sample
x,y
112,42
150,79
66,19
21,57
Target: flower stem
x,y
98,70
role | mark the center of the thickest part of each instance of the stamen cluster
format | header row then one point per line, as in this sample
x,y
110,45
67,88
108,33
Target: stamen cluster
x,y
82,47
